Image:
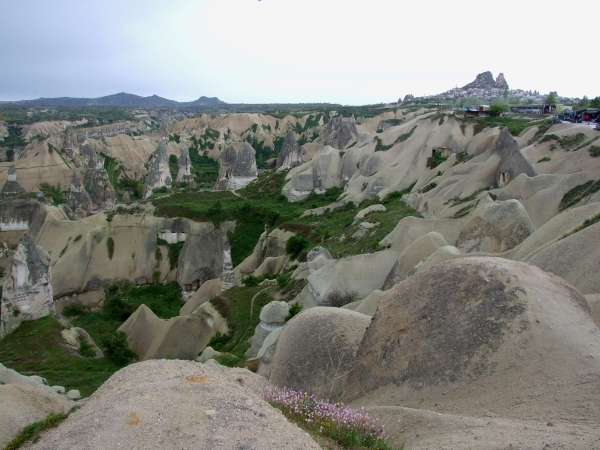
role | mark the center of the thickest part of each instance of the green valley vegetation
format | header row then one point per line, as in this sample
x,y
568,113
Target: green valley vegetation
x,y
37,347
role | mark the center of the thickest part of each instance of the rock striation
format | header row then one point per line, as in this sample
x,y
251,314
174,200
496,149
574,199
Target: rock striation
x,y
78,199
185,169
159,173
11,187
27,292
236,169
340,131
290,154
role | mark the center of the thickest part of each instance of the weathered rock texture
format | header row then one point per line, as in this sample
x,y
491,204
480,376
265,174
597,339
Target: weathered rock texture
x,y
512,162
272,317
78,199
181,337
476,333
228,279
11,186
339,132
27,293
289,155
236,169
185,169
315,351
178,404
159,173
320,174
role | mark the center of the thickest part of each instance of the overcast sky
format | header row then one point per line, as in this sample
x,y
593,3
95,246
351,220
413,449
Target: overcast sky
x,y
250,51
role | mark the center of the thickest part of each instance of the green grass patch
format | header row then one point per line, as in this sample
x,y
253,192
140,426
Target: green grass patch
x,y
403,137
234,305
259,203
33,431
542,128
473,196
52,192
36,348
174,252
436,159
578,193
595,151
514,125
545,159
586,223
566,141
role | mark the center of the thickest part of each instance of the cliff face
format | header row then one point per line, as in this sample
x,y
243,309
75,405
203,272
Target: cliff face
x,y
78,199
159,174
290,154
102,193
27,293
236,169
339,132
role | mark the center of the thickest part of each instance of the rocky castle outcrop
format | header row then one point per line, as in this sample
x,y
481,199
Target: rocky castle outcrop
x,y
27,293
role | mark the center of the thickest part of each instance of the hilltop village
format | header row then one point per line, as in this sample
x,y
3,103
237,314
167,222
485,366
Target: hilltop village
x,y
168,269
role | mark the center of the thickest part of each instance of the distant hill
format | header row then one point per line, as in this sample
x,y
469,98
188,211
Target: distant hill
x,y
122,99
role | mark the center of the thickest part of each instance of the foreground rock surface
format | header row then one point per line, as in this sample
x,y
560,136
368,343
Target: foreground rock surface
x,y
178,404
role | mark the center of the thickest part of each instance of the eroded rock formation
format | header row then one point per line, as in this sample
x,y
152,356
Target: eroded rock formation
x,y
11,187
236,169
159,173
290,154
185,169
78,199
27,293
340,131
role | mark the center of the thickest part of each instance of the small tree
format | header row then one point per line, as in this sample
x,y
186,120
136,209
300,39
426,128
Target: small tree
x,y
117,349
498,108
551,99
295,245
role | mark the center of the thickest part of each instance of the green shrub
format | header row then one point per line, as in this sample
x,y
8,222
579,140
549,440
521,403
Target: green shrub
x,y
77,238
156,276
219,340
86,350
576,194
544,159
251,281
463,156
338,299
117,349
595,151
283,280
110,247
295,309
436,159
33,431
295,244
428,188
117,308
52,192
74,309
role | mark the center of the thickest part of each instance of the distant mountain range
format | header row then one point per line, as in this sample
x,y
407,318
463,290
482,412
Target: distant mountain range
x,y
122,99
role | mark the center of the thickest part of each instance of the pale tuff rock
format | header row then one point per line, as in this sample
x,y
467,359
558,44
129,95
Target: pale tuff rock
x,y
236,169
320,174
27,293
228,279
102,193
74,336
316,350
339,132
159,174
185,169
272,317
11,187
78,199
512,162
318,258
368,210
290,154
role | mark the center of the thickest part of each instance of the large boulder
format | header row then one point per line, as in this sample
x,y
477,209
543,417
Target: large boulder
x,y
320,174
494,227
24,404
482,334
412,255
315,351
178,404
355,276
575,258
182,337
